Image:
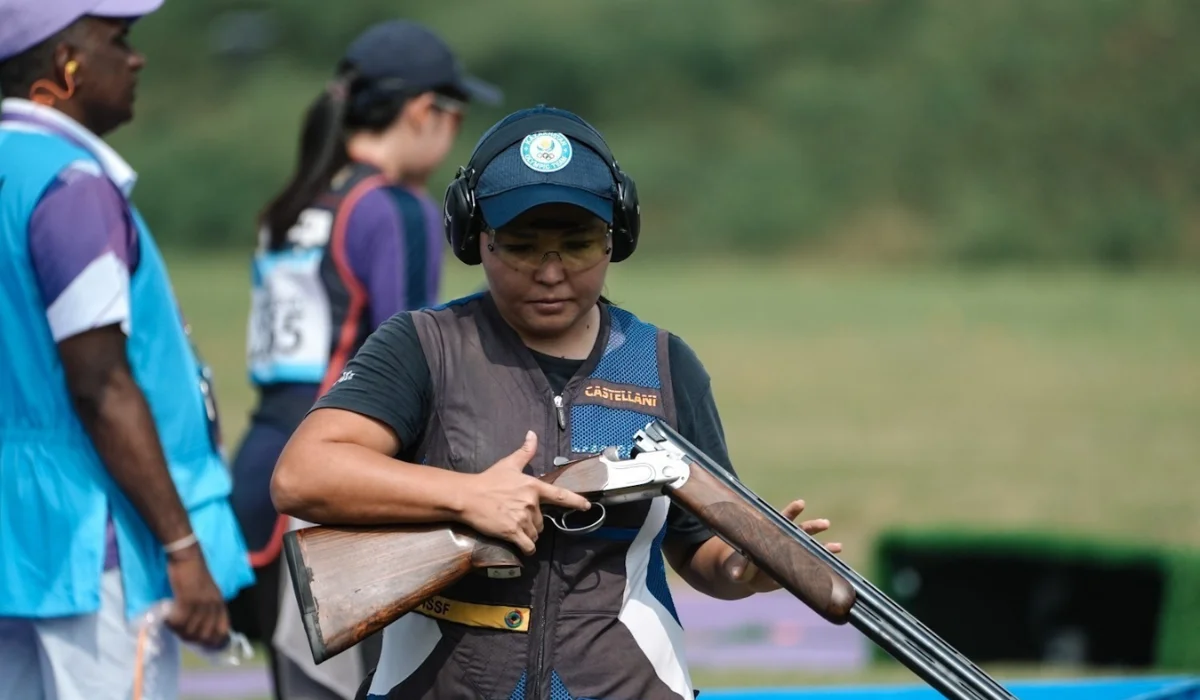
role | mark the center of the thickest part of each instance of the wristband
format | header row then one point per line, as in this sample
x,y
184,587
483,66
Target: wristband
x,y
180,544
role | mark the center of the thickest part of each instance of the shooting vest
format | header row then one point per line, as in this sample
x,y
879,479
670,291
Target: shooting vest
x,y
590,616
54,490
308,311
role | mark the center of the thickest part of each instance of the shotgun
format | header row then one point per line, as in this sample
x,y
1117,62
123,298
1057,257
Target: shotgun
x,y
352,581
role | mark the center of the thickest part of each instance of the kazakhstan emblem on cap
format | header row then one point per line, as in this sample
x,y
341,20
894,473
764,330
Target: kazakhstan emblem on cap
x,y
546,151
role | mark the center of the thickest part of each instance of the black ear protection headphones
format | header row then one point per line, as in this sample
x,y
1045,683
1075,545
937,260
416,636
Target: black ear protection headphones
x,y
461,214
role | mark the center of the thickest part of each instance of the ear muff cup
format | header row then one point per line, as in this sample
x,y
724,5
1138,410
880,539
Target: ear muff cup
x,y
460,219
461,216
629,215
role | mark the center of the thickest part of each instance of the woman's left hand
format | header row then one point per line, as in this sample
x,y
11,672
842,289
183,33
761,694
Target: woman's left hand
x,y
745,573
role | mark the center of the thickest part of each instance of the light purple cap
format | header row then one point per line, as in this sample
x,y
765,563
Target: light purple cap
x,y
27,23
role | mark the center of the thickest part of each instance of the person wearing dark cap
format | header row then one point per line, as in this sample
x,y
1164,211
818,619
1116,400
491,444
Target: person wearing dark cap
x,y
448,414
114,493
351,239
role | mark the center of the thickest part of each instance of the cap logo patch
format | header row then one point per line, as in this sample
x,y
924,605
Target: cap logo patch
x,y
546,151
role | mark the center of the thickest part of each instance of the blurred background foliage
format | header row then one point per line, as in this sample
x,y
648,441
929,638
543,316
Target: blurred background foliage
x,y
943,135
1007,131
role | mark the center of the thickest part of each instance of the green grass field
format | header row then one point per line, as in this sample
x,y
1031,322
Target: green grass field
x,y
1061,401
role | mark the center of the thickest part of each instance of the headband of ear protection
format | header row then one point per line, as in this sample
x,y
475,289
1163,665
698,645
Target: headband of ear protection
x,y
461,213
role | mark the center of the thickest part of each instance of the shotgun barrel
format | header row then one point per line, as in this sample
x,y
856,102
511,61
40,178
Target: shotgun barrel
x,y
785,552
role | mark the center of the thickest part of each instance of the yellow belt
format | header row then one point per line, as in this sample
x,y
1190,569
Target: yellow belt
x,y
500,617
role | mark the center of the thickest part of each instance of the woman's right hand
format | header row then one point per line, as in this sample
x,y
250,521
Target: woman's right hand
x,y
505,503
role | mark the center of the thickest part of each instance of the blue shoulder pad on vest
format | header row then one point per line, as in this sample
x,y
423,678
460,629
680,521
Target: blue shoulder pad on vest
x,y
631,356
632,375
630,360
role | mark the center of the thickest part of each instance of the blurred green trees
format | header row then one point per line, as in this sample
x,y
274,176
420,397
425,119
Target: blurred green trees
x,y
971,132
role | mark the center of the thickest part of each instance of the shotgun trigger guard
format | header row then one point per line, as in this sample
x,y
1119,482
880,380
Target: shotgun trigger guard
x,y
644,475
559,518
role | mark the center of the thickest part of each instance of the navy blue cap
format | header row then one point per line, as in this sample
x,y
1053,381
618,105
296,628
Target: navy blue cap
x,y
544,168
405,56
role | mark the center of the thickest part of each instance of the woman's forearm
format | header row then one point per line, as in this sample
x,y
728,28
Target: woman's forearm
x,y
342,483
706,571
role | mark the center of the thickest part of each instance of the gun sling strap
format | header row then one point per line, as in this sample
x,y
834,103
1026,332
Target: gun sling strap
x,y
510,618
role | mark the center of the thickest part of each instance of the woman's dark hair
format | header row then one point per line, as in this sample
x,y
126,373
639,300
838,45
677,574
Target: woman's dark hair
x,y
322,153
349,103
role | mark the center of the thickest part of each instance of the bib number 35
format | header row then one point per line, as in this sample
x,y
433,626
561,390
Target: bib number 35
x,y
278,328
290,325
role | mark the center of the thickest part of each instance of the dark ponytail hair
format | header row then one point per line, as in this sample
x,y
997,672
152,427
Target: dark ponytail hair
x,y
322,154
349,103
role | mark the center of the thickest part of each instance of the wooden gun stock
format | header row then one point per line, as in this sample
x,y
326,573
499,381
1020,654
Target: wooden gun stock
x,y
748,531
353,581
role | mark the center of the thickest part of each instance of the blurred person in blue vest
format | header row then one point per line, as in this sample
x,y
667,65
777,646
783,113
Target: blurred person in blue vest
x,y
113,492
352,238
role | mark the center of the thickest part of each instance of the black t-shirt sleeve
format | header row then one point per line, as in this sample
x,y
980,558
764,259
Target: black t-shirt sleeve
x,y
388,379
699,423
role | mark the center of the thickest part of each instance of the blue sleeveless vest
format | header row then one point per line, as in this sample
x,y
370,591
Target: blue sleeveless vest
x,y
55,492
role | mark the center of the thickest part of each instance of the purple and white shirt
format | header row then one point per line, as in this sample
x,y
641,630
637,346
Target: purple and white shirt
x,y
82,243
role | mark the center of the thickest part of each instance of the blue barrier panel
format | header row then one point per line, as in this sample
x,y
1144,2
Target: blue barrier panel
x,y
1185,690
1162,688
